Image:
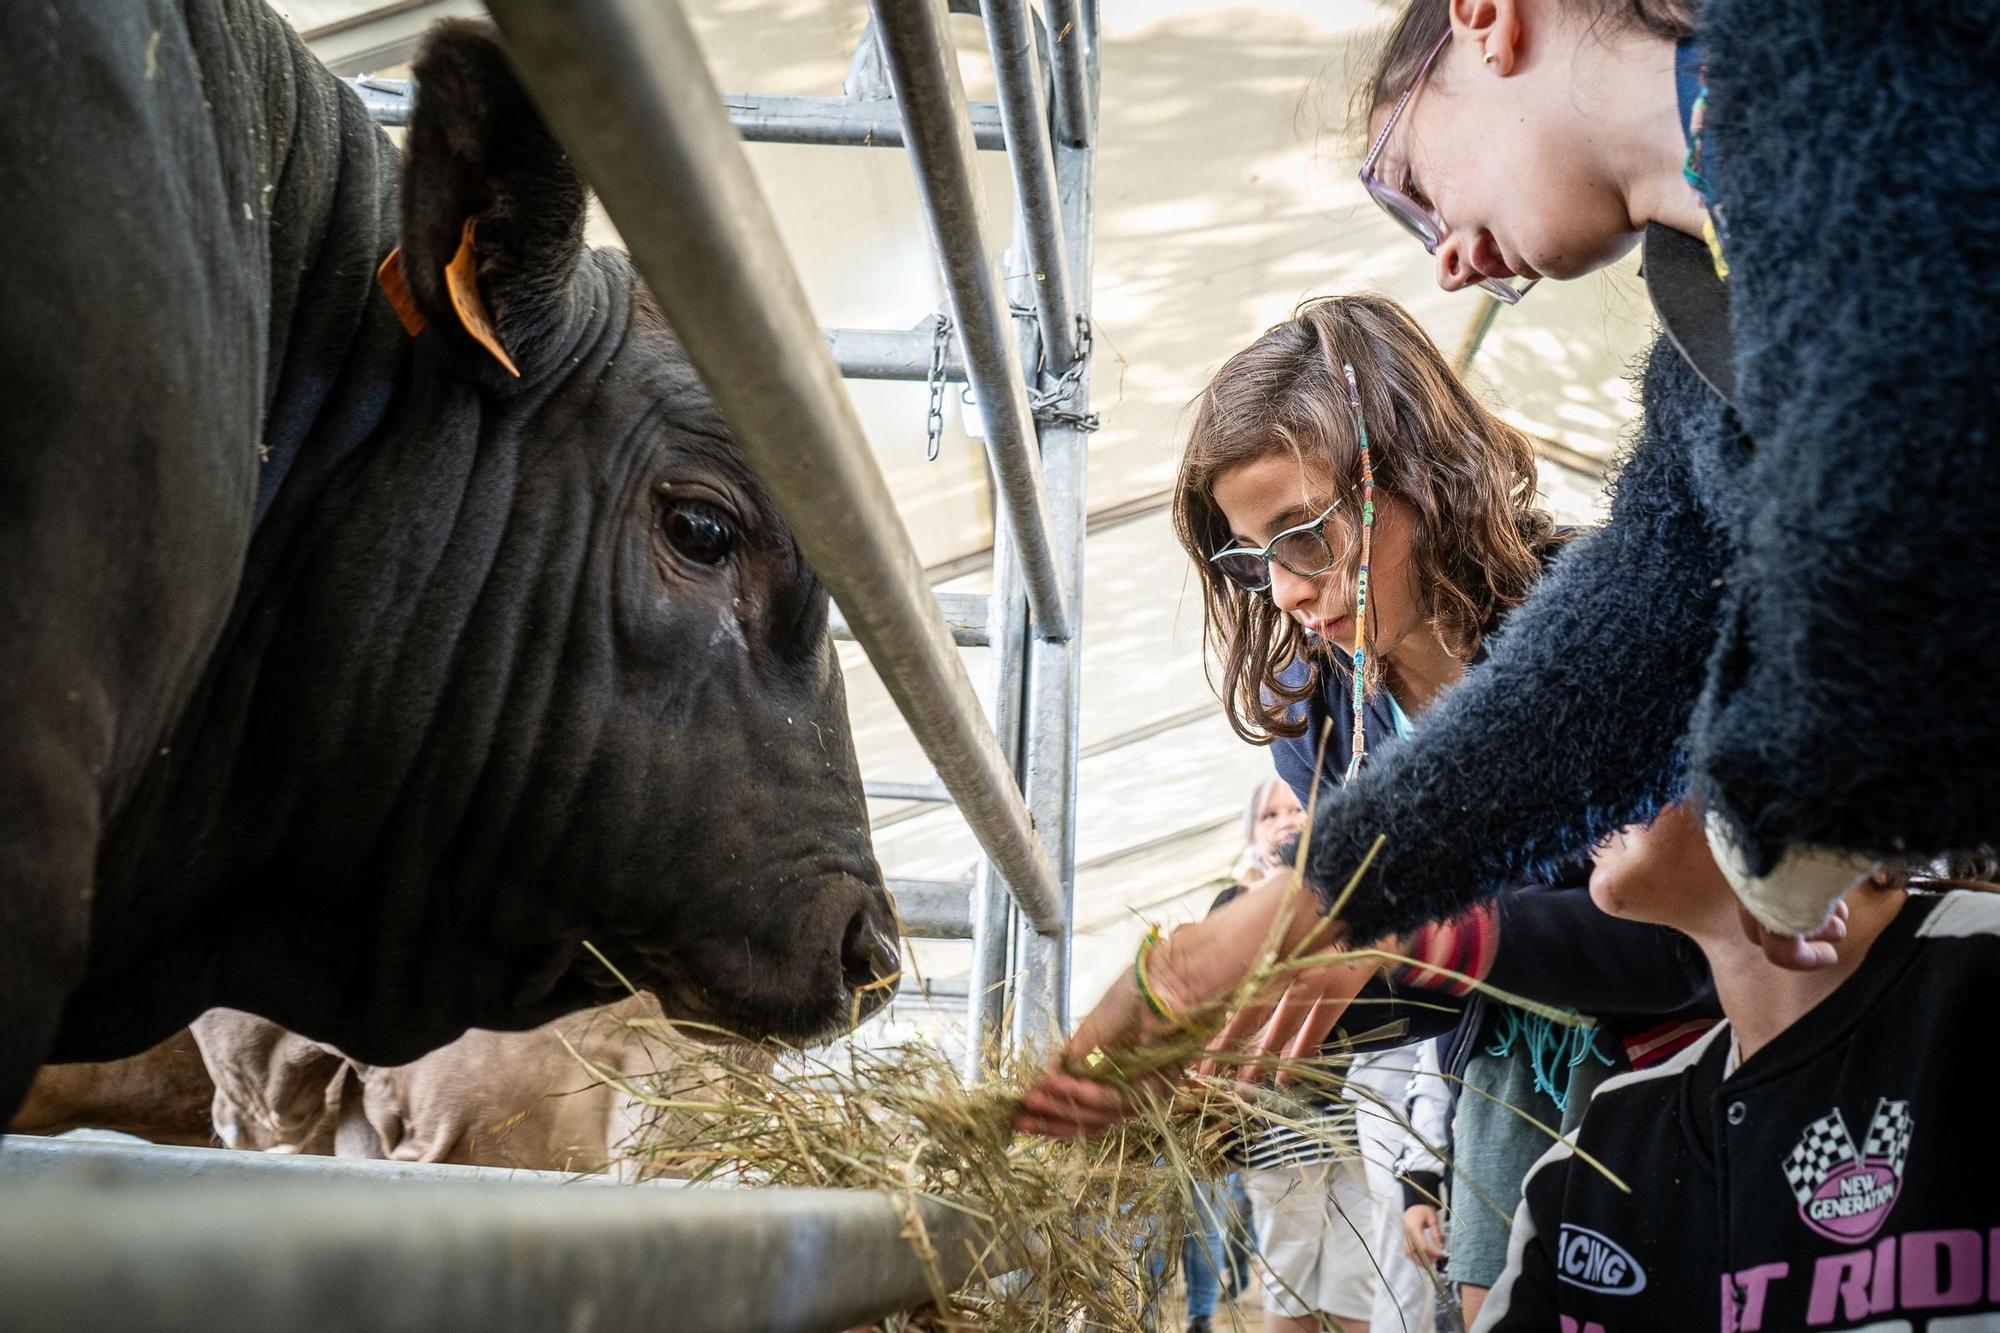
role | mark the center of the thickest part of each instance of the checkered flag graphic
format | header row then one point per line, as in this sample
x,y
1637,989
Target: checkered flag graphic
x,y
1825,1147
1889,1135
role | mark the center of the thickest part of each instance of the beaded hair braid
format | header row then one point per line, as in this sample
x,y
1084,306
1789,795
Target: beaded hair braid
x,y
1360,747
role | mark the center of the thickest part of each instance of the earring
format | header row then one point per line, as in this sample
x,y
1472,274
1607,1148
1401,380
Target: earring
x,y
1490,57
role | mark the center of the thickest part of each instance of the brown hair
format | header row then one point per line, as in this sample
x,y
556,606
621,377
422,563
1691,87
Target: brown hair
x,y
1468,478
1418,27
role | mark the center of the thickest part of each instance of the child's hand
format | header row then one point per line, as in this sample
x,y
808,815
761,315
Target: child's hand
x,y
1423,1234
1291,1028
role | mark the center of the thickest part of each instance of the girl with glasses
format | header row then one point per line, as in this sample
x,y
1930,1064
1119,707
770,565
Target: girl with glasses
x,y
1357,516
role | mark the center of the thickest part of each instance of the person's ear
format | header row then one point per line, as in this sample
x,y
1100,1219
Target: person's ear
x,y
492,210
1493,27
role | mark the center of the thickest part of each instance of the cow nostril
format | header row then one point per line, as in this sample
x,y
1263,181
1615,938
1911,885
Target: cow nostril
x,y
867,956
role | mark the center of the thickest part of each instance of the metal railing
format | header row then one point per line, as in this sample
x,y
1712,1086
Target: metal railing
x,y
130,1238
760,118
923,70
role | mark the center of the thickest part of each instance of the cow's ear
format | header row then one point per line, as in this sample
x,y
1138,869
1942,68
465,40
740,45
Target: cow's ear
x,y
492,209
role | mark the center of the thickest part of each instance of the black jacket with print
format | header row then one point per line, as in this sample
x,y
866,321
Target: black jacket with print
x,y
1845,1178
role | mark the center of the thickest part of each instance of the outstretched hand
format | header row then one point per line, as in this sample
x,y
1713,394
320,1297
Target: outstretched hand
x,y
1191,971
1260,1037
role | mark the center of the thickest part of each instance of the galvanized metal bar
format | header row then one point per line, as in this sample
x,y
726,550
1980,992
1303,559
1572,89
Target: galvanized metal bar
x,y
893,354
838,122
1476,330
1010,38
1073,62
381,35
402,1257
26,1157
1049,757
933,792
991,915
923,67
388,100
934,909
758,117
964,614
1048,767
624,86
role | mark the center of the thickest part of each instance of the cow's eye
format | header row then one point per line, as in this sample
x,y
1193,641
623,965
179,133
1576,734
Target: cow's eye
x,y
699,532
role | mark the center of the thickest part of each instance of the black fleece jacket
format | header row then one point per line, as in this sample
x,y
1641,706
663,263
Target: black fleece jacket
x,y
1788,607
1838,1180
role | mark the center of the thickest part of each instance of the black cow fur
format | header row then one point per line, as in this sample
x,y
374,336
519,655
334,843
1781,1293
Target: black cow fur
x,y
348,679
1790,612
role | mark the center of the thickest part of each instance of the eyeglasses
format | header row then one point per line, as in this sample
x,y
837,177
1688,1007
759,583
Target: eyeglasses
x,y
1304,550
1420,221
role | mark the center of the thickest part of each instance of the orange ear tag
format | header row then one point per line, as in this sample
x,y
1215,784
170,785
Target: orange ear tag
x,y
461,279
389,277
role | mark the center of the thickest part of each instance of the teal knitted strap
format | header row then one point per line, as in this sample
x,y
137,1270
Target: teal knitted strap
x,y
1553,1049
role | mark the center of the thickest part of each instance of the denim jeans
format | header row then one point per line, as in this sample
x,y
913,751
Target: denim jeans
x,y
1202,1250
1239,1243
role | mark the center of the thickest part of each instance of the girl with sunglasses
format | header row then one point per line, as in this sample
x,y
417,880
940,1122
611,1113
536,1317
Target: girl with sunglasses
x,y
1273,504
1361,525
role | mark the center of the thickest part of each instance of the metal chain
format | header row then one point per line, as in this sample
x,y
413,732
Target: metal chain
x,y
1046,405
934,423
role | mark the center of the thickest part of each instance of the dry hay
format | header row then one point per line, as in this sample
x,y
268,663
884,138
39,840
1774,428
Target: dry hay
x,y
1068,1221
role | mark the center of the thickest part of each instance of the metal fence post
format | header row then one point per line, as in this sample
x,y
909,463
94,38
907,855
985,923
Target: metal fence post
x,y
1010,37
1049,741
992,921
923,66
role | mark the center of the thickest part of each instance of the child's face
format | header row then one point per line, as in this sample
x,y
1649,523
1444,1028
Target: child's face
x,y
1280,819
1506,160
1263,497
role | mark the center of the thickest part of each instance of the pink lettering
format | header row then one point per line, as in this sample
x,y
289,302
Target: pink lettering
x,y
1941,1268
1569,1325
1743,1296
1882,1293
1839,1279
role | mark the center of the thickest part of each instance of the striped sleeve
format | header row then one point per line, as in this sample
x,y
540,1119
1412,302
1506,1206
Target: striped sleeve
x,y
1450,956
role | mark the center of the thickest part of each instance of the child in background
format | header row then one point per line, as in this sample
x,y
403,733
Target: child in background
x,y
1271,824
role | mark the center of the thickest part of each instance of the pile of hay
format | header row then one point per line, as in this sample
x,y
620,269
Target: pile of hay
x,y
1072,1221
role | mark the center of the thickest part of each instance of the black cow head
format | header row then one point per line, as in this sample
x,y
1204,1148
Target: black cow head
x,y
572,678
702,822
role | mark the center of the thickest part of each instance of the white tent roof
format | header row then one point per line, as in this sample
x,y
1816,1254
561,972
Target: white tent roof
x,y
1225,195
